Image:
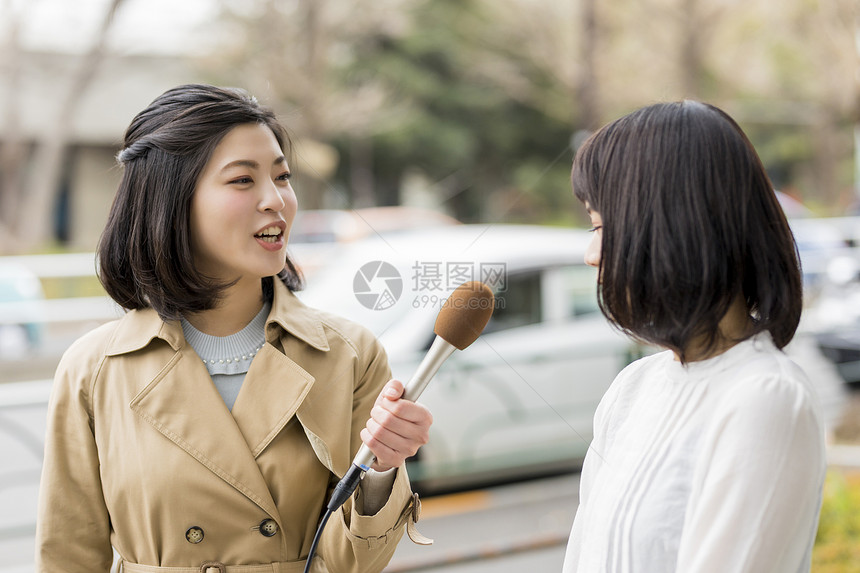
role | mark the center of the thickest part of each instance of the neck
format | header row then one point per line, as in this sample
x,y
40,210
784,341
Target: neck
x,y
733,327
238,306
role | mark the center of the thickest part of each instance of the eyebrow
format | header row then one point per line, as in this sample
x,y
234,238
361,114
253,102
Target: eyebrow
x,y
251,164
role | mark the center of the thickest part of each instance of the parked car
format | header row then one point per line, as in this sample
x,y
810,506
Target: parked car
x,y
521,399
819,244
316,233
830,258
834,316
21,321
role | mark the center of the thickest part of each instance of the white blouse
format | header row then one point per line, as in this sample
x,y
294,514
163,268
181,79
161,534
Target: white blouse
x,y
717,466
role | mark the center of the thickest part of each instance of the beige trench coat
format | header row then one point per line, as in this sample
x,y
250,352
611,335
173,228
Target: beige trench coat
x,y
143,455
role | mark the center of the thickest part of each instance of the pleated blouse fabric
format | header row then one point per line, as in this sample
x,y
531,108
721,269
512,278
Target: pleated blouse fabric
x,y
716,466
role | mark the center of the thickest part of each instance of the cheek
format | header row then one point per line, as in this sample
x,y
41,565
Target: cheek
x,y
222,210
212,218
291,205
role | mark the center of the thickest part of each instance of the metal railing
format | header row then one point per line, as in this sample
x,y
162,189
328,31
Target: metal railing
x,y
57,310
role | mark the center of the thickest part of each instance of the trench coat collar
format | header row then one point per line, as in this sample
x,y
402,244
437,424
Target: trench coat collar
x,y
140,327
294,317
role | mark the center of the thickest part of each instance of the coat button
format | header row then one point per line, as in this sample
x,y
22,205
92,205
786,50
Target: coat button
x,y
194,534
268,527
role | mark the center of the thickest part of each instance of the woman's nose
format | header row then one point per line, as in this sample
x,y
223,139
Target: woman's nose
x,y
592,252
273,199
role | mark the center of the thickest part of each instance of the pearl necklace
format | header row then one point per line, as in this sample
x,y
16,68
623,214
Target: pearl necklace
x,y
244,357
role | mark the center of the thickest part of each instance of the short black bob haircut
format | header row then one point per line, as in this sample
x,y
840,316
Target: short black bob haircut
x,y
690,222
144,254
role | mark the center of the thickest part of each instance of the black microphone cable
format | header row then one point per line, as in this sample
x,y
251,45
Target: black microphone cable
x,y
341,493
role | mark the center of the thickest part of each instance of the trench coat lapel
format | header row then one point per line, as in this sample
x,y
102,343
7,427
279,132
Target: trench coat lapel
x,y
323,425
312,403
272,391
182,403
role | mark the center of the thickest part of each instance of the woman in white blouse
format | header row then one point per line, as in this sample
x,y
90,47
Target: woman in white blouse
x,y
709,456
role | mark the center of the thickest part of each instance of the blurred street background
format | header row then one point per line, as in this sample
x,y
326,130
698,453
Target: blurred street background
x,y
435,116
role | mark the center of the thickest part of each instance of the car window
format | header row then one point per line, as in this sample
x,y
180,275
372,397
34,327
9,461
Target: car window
x,y
569,292
519,303
579,285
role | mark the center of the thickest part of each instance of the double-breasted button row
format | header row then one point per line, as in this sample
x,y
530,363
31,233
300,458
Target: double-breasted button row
x,y
267,528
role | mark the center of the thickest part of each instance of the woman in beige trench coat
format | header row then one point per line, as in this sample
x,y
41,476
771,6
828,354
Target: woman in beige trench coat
x,y
177,466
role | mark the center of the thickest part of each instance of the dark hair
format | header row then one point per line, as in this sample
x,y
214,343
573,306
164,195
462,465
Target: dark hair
x,y
690,221
145,257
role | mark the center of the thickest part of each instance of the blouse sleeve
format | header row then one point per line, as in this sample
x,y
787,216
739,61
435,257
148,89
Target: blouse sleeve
x,y
757,491
73,526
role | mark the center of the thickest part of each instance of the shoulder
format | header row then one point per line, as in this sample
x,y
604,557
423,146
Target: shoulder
x,y
628,384
645,365
318,328
764,395
131,332
345,331
762,375
634,375
78,368
88,350
354,347
329,332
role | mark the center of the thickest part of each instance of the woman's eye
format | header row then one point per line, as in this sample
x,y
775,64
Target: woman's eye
x,y
595,228
285,176
242,181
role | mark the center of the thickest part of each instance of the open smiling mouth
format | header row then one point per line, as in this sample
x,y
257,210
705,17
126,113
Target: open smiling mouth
x,y
270,234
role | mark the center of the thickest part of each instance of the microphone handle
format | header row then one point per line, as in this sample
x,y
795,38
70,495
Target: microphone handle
x,y
439,351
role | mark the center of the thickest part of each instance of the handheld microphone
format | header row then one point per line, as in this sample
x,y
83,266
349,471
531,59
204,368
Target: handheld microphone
x,y
460,321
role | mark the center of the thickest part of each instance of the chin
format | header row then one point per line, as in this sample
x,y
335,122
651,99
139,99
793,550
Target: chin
x,y
275,269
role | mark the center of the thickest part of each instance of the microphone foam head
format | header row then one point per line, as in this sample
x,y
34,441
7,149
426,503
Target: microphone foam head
x,y
465,314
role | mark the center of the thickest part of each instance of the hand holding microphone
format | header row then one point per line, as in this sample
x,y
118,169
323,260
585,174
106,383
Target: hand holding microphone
x,y
397,427
460,321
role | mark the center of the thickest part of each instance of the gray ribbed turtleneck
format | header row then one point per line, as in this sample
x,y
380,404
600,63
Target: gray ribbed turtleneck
x,y
228,358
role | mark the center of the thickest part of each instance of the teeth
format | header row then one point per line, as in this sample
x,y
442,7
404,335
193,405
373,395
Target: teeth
x,y
270,231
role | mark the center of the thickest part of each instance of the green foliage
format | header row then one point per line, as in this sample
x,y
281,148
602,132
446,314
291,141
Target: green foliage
x,y
461,123
837,543
782,149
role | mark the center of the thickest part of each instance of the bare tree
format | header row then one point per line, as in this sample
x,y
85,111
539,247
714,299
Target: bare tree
x,y
857,104
13,152
690,52
291,53
587,91
832,29
50,151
